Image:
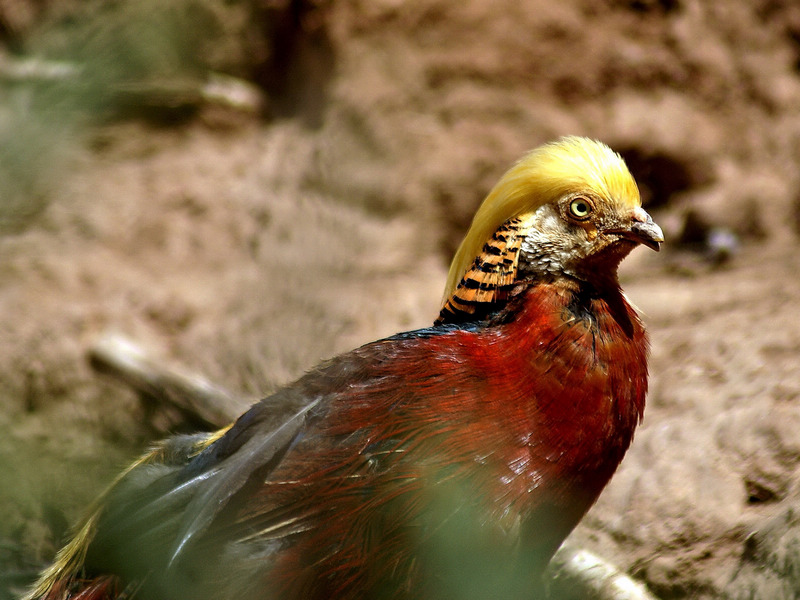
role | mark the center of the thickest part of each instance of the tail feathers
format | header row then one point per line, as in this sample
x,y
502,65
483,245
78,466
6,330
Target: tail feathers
x,y
102,588
62,580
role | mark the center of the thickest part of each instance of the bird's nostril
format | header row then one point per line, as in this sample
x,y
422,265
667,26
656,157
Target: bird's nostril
x,y
640,215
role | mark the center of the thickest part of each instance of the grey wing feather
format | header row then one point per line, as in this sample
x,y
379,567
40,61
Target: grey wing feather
x,y
256,454
158,510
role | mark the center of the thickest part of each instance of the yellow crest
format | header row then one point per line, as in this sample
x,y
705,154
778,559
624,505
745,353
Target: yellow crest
x,y
569,165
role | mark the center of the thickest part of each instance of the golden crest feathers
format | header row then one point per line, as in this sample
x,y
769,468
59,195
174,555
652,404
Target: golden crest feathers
x,y
569,165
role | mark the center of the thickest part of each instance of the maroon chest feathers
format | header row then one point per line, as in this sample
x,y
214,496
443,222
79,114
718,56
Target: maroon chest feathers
x,y
550,394
579,359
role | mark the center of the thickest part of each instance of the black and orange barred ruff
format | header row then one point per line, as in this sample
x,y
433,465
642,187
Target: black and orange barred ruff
x,y
487,283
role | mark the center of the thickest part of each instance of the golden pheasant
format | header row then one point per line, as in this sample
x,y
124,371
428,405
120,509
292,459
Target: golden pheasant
x,y
450,461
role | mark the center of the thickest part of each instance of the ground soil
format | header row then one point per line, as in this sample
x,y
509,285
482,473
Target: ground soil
x,y
248,246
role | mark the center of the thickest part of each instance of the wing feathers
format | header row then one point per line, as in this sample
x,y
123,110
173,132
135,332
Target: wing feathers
x,y
257,455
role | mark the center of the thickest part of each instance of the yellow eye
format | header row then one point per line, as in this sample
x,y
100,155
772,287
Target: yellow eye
x,y
580,208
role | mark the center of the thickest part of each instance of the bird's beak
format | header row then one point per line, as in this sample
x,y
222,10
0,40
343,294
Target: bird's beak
x,y
643,230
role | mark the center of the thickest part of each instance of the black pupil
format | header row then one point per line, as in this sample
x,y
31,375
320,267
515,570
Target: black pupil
x,y
581,208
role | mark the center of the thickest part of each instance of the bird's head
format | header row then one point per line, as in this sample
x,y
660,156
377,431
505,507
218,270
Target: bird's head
x,y
568,208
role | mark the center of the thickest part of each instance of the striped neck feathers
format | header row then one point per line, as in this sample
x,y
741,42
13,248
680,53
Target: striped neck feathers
x,y
485,286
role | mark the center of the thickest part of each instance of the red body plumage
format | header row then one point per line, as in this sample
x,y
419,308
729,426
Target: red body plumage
x,y
544,409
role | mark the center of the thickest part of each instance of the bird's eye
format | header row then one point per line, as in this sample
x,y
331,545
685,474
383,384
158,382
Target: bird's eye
x,y
580,208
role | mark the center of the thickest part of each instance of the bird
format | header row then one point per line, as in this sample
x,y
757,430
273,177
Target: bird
x,y
445,462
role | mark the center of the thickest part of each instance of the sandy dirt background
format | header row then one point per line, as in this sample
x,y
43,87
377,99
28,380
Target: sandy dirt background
x,y
246,243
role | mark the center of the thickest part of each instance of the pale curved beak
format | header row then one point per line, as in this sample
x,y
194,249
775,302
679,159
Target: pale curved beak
x,y
645,231
642,230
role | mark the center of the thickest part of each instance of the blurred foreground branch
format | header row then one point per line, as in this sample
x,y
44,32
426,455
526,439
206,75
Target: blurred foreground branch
x,y
19,70
577,574
191,394
216,89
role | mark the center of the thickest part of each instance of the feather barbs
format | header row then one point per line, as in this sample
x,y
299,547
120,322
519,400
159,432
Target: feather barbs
x,y
567,166
490,277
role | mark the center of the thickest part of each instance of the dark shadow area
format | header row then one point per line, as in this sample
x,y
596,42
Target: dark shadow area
x,y
299,60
